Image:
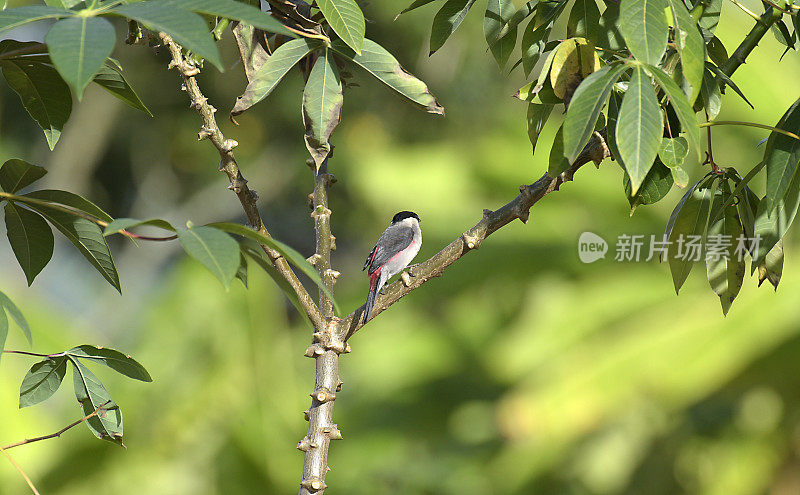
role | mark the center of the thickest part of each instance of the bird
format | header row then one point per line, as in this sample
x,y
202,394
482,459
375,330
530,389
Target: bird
x,y
395,249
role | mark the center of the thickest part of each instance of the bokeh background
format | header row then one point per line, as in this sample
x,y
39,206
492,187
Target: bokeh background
x,y
520,371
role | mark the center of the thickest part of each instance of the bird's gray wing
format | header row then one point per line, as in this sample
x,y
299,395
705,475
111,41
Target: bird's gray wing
x,y
392,241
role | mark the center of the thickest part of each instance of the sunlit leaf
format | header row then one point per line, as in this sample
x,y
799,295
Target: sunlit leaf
x,y
42,381
114,359
681,106
639,129
673,151
645,28
585,106
573,61
238,11
690,46
270,74
381,64
346,19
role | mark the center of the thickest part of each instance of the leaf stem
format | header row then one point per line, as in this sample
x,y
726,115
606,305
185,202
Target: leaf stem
x,y
747,11
36,354
711,123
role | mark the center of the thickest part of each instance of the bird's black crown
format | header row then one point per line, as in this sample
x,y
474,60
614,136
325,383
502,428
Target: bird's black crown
x,y
403,215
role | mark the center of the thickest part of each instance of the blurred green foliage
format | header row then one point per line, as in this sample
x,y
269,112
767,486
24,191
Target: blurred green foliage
x,y
520,371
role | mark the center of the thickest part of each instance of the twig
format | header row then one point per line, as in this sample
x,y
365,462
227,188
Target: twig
x,y
711,123
58,354
238,184
17,466
59,432
325,350
519,208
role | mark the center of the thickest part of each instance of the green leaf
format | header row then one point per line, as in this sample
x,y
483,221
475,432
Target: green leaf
x,y
72,200
680,177
536,119
31,240
639,128
42,381
645,28
381,64
584,108
710,17
558,163
584,20
653,189
609,35
681,106
346,20
782,156
781,32
514,21
574,60
117,361
87,239
290,254
497,17
111,79
91,394
78,47
186,28
689,219
273,70
127,223
673,151
771,224
16,174
12,18
690,45
414,5
724,269
216,250
771,267
16,315
322,106
447,20
238,11
44,94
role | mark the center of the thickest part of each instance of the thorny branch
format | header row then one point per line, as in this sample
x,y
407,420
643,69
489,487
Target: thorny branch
x,y
238,184
325,350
